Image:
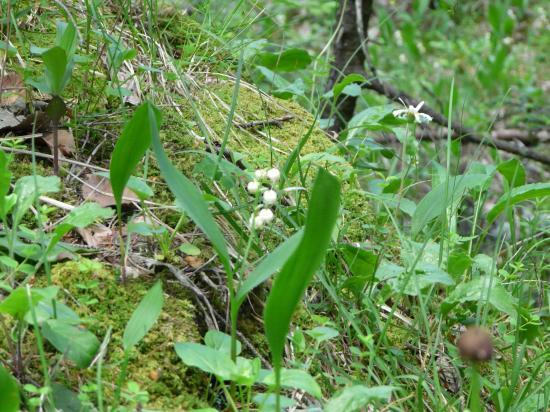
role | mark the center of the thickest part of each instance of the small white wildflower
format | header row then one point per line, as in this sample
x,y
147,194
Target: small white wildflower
x,y
266,215
260,174
270,197
253,187
274,175
258,222
507,41
412,113
403,58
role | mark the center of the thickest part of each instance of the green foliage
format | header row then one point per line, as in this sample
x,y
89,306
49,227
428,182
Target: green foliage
x,y
517,195
129,150
77,344
299,269
9,391
144,317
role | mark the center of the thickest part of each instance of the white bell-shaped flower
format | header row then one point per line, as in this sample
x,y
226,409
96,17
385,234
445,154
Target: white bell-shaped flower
x,y
258,222
266,215
274,175
270,197
253,186
260,174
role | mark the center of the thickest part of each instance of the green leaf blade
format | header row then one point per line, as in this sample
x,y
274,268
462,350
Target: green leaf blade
x,y
297,272
130,148
144,317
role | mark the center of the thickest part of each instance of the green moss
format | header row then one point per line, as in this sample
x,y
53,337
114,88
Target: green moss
x,y
91,290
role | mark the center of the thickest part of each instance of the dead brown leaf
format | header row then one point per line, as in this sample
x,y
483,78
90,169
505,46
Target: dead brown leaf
x,y
65,139
98,189
12,91
97,236
193,261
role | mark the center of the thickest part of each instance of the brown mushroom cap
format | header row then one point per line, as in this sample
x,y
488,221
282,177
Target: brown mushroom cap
x,y
475,345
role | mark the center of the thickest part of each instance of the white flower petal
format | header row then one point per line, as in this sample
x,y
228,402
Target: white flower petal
x,y
274,175
423,118
260,174
266,215
253,187
270,197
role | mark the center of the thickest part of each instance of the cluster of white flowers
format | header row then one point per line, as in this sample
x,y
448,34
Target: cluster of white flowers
x,y
412,113
269,196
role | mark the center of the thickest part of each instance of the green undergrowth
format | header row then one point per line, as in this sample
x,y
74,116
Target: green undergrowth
x,y
90,289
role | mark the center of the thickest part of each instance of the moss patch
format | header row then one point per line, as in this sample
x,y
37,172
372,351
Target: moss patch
x,y
91,290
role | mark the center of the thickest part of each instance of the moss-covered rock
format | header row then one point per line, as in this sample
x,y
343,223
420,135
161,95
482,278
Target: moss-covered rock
x,y
90,289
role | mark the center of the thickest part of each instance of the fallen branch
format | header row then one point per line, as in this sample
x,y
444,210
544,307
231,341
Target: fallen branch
x,y
525,137
263,123
463,133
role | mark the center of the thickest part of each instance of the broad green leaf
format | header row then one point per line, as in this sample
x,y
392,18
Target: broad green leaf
x,y
268,266
247,371
186,193
291,283
206,359
29,188
480,290
425,274
66,400
130,148
458,262
44,311
513,171
346,81
77,344
144,317
322,333
220,341
369,119
66,37
189,249
287,61
296,379
267,402
354,398
58,69
517,195
443,196
9,391
136,185
6,47
17,303
361,262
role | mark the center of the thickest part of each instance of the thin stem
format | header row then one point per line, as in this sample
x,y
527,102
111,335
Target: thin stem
x,y
122,376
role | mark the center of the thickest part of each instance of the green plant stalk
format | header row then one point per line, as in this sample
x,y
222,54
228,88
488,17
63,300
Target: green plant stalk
x,y
475,390
55,127
122,248
121,377
40,344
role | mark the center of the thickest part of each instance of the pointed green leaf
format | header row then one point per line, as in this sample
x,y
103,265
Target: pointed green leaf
x,y
290,284
130,148
354,398
268,266
76,343
517,195
206,359
187,195
144,317
9,391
